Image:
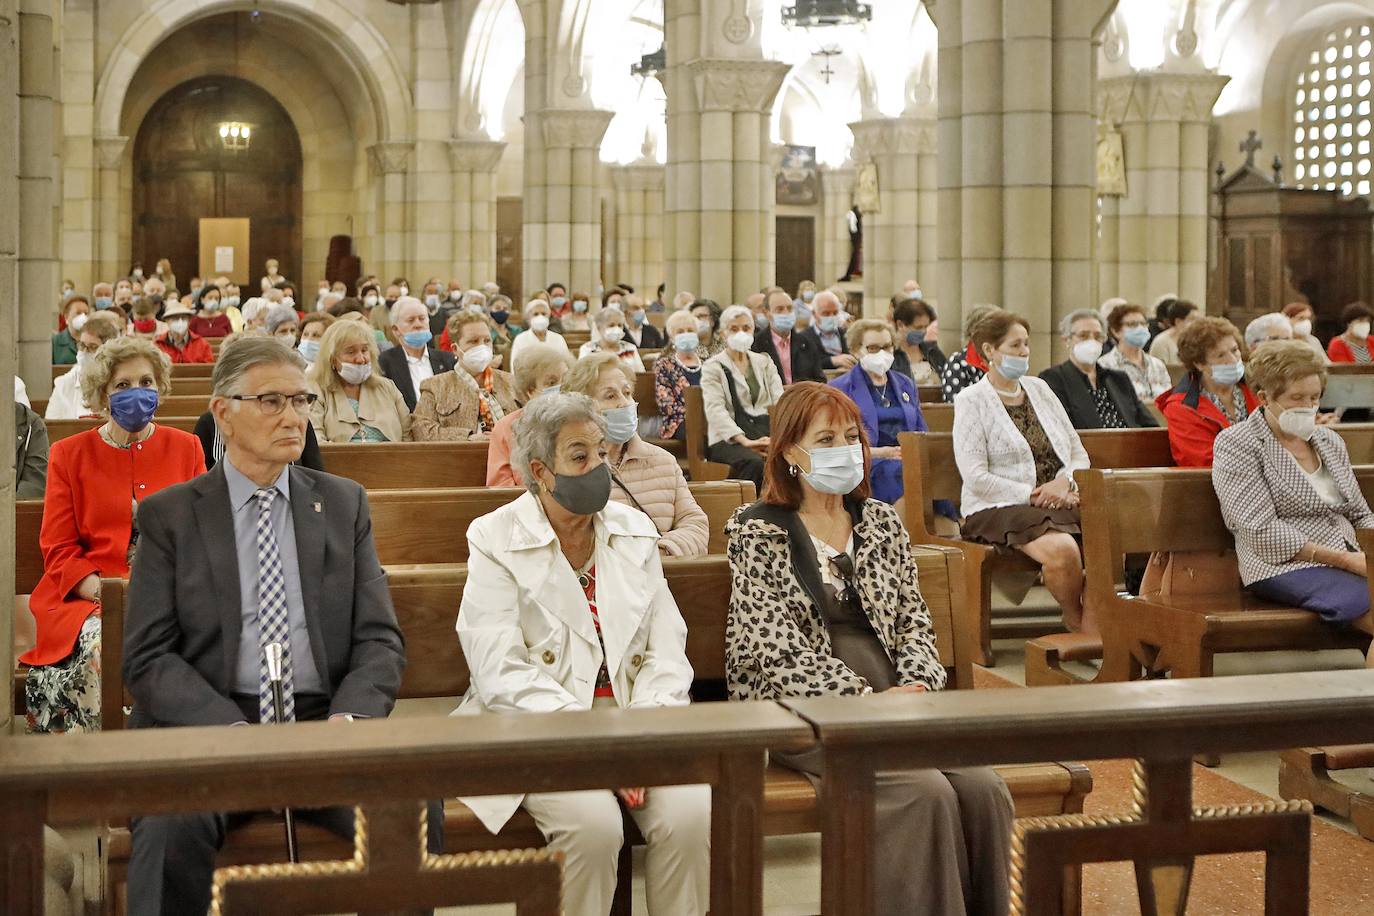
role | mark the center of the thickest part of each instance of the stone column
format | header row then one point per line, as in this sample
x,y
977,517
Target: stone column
x,y
719,182
1017,159
79,252
109,156
837,187
899,239
562,209
474,209
9,320
38,283
1154,240
639,226
390,248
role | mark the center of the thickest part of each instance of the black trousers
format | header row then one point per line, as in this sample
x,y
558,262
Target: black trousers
x,y
745,463
172,864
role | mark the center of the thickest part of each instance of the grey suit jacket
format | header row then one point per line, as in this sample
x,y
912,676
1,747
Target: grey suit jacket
x,y
183,619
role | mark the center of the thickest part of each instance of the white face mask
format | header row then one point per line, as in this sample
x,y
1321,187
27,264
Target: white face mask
x,y
370,300
78,322
1299,421
877,363
740,341
178,326
288,301
1086,352
613,333
837,470
476,359
1360,328
1302,328
703,327
539,323
354,374
83,359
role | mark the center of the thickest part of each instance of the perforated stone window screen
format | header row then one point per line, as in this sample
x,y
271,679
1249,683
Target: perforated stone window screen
x,y
1332,119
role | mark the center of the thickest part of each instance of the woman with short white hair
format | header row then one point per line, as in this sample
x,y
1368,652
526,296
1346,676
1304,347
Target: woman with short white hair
x,y
548,575
537,317
610,330
738,387
1268,327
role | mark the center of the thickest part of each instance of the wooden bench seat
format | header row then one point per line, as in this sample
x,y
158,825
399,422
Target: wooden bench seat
x,y
427,602
61,429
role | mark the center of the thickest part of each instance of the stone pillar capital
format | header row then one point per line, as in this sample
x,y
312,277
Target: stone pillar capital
x,y
1160,96
638,176
727,84
576,128
894,136
390,156
475,155
109,151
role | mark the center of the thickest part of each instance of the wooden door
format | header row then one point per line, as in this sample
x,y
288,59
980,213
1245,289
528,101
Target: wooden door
x,y
510,263
183,172
795,251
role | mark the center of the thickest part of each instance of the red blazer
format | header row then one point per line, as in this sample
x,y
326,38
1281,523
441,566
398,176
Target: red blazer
x,y
87,520
197,349
1338,351
1194,421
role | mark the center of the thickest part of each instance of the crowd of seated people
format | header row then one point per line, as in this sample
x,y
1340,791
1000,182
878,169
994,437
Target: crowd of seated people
x,y
829,606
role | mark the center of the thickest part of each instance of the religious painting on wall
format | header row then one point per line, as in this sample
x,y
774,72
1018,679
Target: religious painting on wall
x,y
1111,164
797,184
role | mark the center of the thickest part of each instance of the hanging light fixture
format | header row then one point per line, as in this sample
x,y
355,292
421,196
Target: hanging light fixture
x,y
235,136
811,14
651,64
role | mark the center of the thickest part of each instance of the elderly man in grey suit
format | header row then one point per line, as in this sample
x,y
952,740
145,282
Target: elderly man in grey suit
x,y
254,552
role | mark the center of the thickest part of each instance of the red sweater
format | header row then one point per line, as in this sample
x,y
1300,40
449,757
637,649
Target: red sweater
x,y
1194,421
1338,351
197,349
88,518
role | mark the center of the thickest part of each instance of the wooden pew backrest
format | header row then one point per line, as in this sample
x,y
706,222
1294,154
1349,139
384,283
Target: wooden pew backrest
x,y
699,468
408,465
61,429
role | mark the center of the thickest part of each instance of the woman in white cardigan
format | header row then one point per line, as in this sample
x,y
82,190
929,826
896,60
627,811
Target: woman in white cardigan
x,y
566,608
737,388
1017,451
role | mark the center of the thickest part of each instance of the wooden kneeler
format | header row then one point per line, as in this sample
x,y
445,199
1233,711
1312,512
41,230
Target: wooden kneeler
x,y
1304,773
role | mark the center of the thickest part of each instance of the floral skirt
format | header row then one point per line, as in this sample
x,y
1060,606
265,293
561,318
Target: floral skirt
x,y
65,697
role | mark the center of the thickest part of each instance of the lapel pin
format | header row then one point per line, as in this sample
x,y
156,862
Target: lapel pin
x,y
906,396
317,507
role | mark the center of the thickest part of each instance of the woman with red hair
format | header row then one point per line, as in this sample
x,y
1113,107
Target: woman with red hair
x,y
825,603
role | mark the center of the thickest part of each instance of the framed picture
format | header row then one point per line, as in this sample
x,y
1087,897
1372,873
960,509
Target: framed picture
x,y
797,184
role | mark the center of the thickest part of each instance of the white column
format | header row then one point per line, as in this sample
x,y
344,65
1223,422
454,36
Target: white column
x,y
474,209
899,239
38,281
79,251
562,209
391,243
837,186
638,225
109,156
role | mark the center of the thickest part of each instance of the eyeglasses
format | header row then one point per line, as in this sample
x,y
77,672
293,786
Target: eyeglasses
x,y
273,403
842,566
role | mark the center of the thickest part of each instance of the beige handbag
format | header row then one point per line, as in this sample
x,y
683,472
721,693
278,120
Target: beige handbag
x,y
1190,573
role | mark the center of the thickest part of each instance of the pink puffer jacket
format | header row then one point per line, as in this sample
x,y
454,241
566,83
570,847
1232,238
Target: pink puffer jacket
x,y
656,481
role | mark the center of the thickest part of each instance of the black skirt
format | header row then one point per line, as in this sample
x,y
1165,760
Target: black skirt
x,y
1012,526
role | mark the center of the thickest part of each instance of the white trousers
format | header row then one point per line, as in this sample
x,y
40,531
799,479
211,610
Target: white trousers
x,y
587,828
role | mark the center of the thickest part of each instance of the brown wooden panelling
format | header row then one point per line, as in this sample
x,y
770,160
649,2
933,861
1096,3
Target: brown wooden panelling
x,y
795,251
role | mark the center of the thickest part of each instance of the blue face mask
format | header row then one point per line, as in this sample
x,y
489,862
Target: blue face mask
x,y
1136,336
417,339
1013,367
637,316
913,338
761,321
686,342
133,408
621,423
499,316
1228,373
785,322
829,324
103,302
310,349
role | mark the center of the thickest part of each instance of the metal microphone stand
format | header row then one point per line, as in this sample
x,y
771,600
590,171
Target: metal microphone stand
x,y
274,655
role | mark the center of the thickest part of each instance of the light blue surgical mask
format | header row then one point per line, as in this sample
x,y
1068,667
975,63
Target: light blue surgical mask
x,y
761,321
621,423
1137,336
836,471
310,349
686,342
785,322
1013,367
808,295
103,302
552,389
830,324
1228,373
417,339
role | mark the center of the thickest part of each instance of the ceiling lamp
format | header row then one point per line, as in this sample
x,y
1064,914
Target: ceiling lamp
x,y
811,14
651,64
235,136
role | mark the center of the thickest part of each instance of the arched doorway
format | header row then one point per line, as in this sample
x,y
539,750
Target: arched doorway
x,y
183,172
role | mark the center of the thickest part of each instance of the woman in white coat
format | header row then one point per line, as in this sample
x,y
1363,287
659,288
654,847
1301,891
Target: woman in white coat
x,y
566,608
1017,451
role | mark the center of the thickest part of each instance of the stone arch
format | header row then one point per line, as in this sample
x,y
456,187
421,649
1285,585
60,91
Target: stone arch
x,y
358,43
480,89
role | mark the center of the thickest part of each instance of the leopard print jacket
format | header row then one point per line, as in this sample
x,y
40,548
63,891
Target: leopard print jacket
x,y
776,641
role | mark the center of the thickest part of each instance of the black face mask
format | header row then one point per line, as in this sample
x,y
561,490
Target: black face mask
x,y
584,494
390,303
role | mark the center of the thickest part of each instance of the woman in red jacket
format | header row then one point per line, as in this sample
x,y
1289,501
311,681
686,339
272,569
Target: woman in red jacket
x,y
1355,345
96,480
1212,396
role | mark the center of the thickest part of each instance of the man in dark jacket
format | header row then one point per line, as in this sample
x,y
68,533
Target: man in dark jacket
x,y
1094,397
798,355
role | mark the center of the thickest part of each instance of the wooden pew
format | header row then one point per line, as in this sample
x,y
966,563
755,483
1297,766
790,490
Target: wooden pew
x,y
174,405
179,370
930,394
427,604
929,473
401,541
939,417
408,465
1147,511
699,467
61,429
647,402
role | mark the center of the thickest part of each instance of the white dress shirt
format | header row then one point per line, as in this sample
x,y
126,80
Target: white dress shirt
x,y
420,368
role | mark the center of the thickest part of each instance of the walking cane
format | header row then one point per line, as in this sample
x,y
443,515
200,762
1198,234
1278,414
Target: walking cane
x,y
274,652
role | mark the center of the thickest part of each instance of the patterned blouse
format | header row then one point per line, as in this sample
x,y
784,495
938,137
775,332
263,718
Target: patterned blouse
x,y
1047,463
958,375
1238,412
1149,380
1106,410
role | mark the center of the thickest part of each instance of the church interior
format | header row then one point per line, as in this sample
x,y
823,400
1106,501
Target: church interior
x,y
689,181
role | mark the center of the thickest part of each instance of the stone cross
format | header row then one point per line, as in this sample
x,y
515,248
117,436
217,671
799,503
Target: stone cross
x,y
1250,146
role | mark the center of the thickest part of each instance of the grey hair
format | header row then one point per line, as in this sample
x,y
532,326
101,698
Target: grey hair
x,y
536,432
605,316
977,314
1077,315
1257,330
237,357
735,311
279,314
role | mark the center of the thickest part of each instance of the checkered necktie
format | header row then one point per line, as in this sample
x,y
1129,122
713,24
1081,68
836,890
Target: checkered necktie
x,y
273,625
